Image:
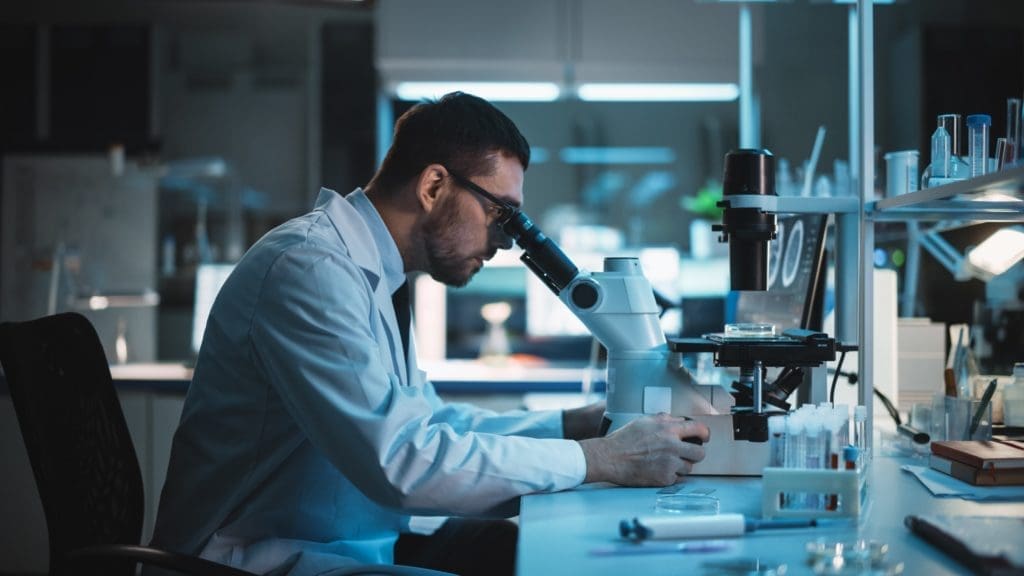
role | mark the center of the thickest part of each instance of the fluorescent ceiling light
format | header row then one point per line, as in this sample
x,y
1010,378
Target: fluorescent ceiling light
x,y
658,92
998,253
493,91
617,155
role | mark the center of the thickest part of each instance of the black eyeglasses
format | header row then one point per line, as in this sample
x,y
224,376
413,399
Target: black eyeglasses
x,y
504,210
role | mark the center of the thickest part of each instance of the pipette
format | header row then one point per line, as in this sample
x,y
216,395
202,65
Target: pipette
x,y
710,526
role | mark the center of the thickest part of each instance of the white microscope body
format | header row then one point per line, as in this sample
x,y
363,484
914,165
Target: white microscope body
x,y
644,376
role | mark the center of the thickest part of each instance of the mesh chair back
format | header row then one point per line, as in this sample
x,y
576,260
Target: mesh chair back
x,y
76,437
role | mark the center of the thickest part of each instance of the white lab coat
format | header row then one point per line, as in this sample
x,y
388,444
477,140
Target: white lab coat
x,y
305,441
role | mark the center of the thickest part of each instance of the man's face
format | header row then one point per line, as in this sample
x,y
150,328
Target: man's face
x,y
460,233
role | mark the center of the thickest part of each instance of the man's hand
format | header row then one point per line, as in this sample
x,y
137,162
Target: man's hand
x,y
649,451
583,422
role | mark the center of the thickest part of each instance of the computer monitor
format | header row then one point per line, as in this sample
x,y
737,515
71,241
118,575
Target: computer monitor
x,y
795,278
209,279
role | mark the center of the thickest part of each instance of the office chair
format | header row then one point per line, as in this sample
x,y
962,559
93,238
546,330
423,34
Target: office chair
x,y
82,456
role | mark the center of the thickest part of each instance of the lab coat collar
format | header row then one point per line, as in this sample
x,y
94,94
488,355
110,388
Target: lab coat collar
x,y
371,246
391,258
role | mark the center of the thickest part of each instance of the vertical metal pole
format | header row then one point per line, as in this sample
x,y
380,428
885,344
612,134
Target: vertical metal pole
x,y
866,143
758,386
853,103
848,225
748,119
910,273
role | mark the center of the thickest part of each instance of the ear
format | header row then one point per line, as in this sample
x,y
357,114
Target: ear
x,y
430,185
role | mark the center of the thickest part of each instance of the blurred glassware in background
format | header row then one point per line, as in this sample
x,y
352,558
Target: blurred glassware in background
x,y
978,127
901,172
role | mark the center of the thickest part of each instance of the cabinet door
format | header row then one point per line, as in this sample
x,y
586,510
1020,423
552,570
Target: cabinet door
x,y
470,40
657,41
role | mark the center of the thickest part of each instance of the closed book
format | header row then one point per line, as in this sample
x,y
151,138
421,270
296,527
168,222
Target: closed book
x,y
982,454
978,476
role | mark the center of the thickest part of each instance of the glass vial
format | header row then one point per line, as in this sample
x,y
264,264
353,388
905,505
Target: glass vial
x,y
958,169
951,123
978,126
941,153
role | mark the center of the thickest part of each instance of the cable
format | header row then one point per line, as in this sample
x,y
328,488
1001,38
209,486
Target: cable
x,y
835,379
889,407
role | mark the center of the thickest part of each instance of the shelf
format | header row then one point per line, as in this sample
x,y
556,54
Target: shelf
x,y
967,200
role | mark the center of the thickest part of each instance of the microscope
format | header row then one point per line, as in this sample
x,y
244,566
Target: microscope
x,y
645,369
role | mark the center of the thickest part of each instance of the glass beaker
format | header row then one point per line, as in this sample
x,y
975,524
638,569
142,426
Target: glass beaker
x,y
955,418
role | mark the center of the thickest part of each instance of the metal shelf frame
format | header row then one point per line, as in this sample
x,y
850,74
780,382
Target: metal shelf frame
x,y
995,197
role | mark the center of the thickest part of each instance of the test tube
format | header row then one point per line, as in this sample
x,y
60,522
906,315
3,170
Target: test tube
x,y
813,459
795,456
1013,120
777,441
842,412
860,440
1004,153
977,135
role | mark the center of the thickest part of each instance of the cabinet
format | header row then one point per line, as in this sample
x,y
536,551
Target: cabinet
x,y
564,41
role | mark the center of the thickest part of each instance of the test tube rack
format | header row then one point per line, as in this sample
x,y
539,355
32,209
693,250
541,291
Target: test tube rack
x,y
849,486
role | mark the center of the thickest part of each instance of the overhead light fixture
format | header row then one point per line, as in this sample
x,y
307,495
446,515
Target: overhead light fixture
x,y
658,92
493,91
997,253
992,257
876,2
617,155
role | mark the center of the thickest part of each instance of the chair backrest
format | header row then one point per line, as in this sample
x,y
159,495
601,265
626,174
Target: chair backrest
x,y
75,433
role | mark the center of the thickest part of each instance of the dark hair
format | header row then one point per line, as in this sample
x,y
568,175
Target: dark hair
x,y
460,131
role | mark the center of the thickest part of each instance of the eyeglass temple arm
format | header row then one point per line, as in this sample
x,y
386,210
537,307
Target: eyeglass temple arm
x,y
540,253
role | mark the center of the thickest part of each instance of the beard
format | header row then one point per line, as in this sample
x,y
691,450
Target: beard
x,y
443,239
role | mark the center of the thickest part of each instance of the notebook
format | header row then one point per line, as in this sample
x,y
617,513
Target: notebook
x,y
998,454
991,476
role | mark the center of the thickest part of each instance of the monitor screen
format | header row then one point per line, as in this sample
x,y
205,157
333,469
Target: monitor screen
x,y
209,279
795,265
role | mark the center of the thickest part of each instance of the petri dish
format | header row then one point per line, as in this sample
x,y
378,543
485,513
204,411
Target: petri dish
x,y
860,557
686,504
750,330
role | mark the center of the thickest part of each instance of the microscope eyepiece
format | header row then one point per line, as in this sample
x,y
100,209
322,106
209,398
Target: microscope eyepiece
x,y
540,254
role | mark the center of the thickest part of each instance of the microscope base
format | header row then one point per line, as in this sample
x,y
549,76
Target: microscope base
x,y
724,455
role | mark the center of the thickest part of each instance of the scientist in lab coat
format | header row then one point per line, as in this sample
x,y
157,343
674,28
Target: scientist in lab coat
x,y
309,436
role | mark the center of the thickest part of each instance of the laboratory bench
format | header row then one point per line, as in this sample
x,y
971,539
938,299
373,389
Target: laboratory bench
x,y
577,531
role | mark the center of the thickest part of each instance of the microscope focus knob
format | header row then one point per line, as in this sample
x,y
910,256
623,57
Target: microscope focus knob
x,y
584,295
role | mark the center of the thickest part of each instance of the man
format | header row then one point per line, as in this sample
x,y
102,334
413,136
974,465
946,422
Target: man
x,y
309,435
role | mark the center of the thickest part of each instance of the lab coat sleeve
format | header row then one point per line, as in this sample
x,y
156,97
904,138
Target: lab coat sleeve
x,y
464,417
313,337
